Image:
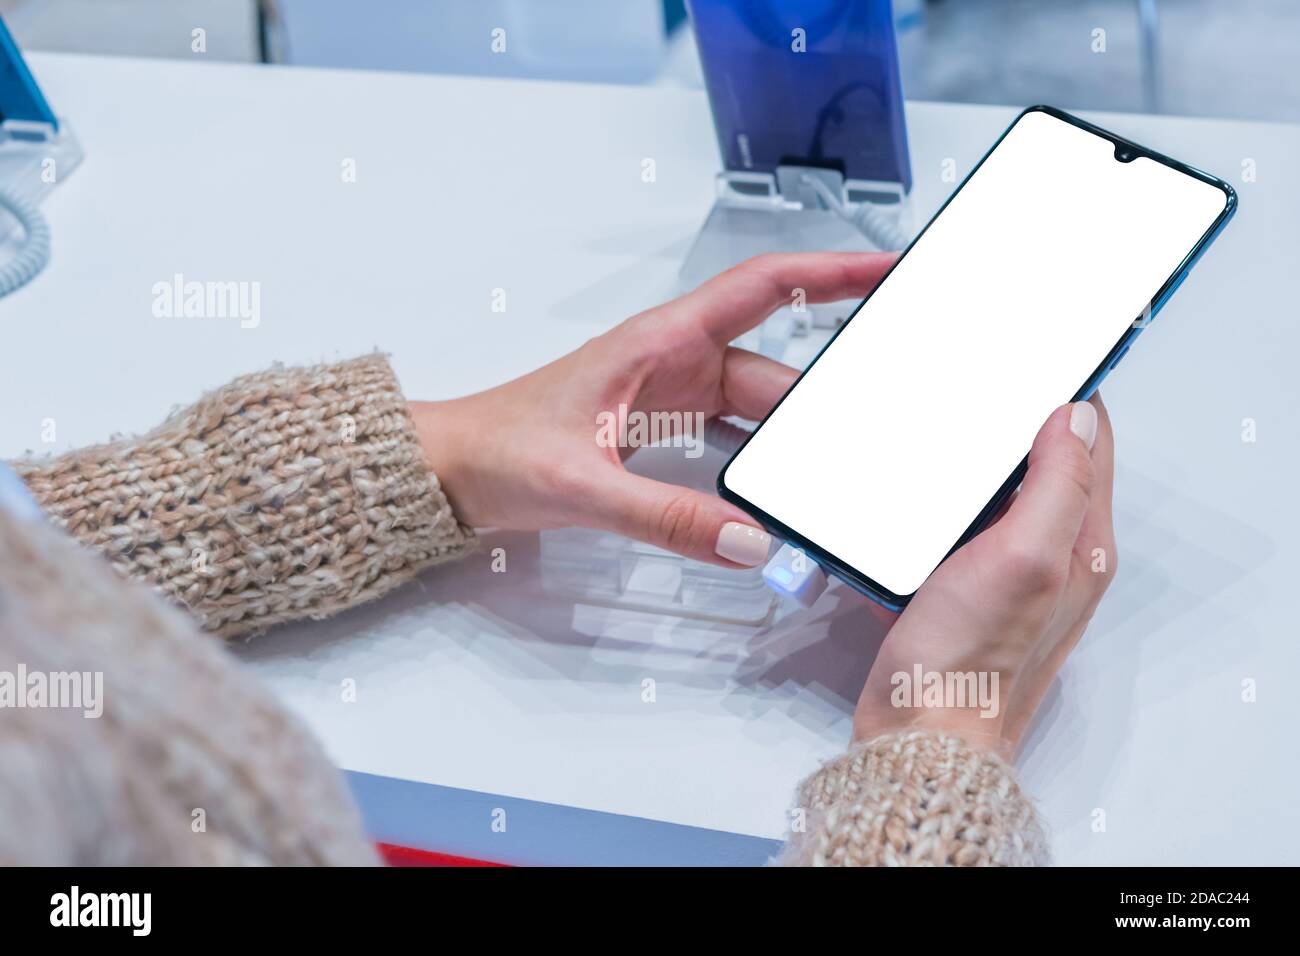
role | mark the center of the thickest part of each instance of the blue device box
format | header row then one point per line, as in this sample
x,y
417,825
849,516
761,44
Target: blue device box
x,y
805,83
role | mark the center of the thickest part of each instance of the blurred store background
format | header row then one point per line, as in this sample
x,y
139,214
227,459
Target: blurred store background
x,y
1223,58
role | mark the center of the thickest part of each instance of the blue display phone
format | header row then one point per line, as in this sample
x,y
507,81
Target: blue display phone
x,y
20,96
805,83
911,428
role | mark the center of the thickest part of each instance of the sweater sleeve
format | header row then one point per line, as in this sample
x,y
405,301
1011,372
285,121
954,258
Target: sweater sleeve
x,y
290,493
136,742
915,799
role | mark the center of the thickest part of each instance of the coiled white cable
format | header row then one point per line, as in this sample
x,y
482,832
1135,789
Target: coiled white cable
x,y
865,217
34,253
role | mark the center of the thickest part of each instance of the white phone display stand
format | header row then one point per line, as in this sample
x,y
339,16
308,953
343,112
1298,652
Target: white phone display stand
x,y
34,159
37,150
791,211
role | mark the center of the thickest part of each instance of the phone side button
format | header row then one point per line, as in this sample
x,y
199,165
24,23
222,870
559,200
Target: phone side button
x,y
1116,360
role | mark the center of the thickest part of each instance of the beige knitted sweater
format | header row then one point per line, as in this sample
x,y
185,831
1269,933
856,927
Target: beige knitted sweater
x,y
294,493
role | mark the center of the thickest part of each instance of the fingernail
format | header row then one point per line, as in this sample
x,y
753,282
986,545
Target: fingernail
x,y
743,543
1083,422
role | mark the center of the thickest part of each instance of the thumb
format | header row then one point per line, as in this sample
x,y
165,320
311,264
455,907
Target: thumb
x,y
691,523
1046,516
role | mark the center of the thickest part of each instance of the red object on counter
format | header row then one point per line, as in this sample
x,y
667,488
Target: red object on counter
x,y
405,856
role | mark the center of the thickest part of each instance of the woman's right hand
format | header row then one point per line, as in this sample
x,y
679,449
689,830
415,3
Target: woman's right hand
x,y
1014,601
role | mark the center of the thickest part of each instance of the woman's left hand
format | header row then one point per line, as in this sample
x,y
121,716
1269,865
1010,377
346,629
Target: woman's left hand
x,y
532,454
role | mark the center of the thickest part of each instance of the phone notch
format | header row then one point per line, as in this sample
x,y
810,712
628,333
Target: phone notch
x,y
1126,153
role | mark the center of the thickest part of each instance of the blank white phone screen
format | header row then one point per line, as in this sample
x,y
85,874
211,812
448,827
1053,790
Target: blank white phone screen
x,y
905,427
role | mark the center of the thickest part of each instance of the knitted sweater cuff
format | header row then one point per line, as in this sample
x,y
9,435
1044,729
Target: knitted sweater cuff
x,y
290,493
915,799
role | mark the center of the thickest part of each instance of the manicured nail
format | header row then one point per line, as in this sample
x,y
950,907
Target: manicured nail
x,y
1083,422
743,544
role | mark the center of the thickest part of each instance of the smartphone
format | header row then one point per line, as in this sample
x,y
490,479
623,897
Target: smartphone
x,y
912,427
805,83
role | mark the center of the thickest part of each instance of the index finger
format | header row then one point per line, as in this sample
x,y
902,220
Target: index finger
x,y
734,302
